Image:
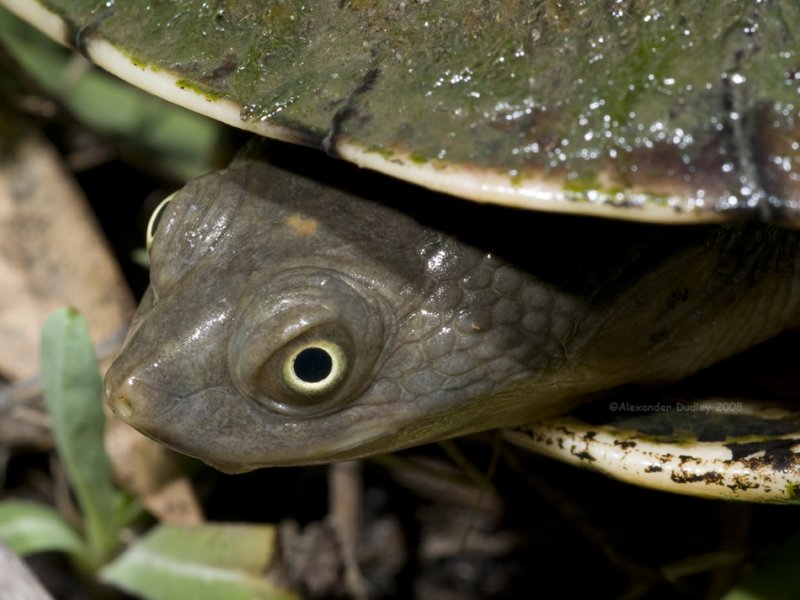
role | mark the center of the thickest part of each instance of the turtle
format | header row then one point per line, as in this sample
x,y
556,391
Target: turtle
x,y
635,172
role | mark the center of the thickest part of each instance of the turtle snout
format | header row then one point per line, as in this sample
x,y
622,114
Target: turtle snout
x,y
119,401
123,395
132,398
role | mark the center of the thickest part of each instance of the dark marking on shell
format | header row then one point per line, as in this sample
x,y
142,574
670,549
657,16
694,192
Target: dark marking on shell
x,y
227,66
741,485
709,478
773,449
584,455
349,110
79,37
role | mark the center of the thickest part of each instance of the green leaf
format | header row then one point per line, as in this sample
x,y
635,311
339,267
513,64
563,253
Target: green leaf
x,y
28,527
210,561
73,394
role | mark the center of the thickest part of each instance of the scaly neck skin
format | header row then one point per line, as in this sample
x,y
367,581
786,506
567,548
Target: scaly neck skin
x,y
712,302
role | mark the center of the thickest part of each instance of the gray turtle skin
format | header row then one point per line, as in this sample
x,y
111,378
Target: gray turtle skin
x,y
430,325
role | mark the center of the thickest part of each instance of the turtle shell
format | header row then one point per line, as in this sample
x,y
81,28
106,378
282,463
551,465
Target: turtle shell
x,y
646,110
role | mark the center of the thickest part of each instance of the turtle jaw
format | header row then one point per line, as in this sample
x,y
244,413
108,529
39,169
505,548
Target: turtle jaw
x,y
251,439
133,395
151,390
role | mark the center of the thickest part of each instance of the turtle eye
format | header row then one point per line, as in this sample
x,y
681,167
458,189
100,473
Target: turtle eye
x,y
155,219
305,373
306,343
315,368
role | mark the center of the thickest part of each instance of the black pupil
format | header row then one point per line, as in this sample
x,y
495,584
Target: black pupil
x,y
312,365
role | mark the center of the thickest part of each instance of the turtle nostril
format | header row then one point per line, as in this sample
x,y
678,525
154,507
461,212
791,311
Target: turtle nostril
x,y
119,402
122,406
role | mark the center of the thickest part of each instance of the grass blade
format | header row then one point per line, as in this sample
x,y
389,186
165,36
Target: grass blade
x,y
73,394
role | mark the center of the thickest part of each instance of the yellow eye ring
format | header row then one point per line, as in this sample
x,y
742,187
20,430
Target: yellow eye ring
x,y
155,217
315,368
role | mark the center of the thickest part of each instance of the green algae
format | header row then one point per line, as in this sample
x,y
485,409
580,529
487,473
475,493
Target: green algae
x,y
640,89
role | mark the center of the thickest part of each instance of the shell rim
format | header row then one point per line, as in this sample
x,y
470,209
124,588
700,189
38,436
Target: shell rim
x,y
469,183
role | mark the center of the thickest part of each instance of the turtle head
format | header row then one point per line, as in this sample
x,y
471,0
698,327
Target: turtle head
x,y
289,322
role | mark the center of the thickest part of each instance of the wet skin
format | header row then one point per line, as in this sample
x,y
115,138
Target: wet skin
x,y
289,321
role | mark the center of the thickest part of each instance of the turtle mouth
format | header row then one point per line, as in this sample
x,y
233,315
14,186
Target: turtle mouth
x,y
199,424
135,401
